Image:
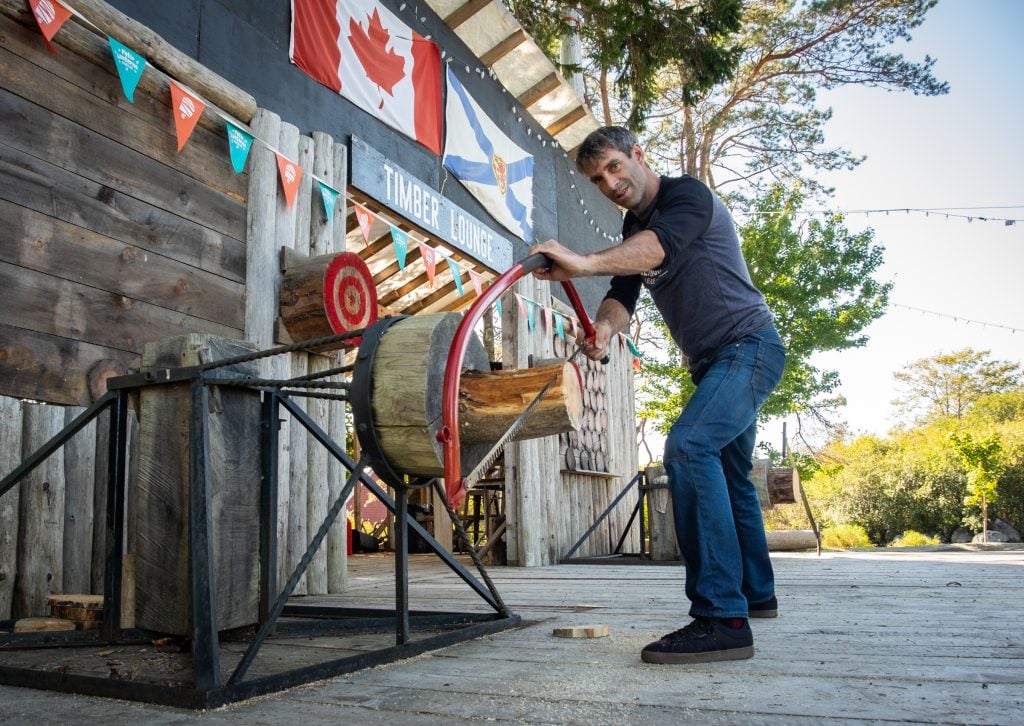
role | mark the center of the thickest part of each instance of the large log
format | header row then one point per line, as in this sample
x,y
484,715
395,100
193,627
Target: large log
x,y
489,402
783,484
407,381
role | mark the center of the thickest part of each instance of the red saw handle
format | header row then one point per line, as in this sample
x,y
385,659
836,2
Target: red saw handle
x,y
448,434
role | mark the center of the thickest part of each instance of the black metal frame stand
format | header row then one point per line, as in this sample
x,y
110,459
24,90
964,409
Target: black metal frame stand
x,y
208,690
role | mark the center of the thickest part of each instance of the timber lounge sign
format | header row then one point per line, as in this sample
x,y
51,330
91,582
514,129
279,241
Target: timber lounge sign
x,y
422,205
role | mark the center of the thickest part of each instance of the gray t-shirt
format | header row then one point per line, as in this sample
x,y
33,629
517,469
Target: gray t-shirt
x,y
702,287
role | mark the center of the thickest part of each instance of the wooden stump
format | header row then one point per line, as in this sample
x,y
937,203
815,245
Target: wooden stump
x,y
783,485
661,519
162,484
85,611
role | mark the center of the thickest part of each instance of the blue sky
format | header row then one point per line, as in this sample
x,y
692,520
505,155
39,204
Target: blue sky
x,y
964,149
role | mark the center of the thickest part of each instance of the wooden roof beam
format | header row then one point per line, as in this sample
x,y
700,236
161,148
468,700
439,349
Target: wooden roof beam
x,y
464,12
567,120
539,89
503,48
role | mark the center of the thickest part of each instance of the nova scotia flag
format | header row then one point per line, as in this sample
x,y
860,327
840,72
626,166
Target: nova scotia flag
x,y
496,171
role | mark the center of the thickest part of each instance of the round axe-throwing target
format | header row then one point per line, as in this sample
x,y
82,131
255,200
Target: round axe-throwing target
x,y
327,295
349,293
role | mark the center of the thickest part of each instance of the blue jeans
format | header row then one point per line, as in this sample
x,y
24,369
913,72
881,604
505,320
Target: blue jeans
x,y
708,457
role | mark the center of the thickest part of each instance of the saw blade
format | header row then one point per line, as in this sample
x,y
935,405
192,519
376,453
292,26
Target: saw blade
x,y
470,480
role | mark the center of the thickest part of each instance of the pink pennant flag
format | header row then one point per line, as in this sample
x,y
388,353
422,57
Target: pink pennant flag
x,y
290,175
50,15
429,261
365,218
187,110
522,306
575,334
474,277
547,318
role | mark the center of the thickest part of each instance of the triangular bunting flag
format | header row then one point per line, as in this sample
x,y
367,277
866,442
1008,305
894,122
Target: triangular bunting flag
x,y
632,348
290,174
401,240
575,334
456,273
559,328
497,304
187,110
50,15
129,67
547,318
365,218
531,317
522,306
637,366
429,261
330,196
239,143
474,277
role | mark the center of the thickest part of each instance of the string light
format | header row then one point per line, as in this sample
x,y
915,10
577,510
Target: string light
x,y
957,318
946,212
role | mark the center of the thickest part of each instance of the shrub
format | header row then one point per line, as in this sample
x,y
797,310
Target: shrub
x,y
843,536
910,538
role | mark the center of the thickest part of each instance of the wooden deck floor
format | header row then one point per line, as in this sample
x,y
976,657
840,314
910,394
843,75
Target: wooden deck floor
x,y
879,636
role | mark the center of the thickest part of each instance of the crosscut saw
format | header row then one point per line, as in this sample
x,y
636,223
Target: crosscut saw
x,y
455,484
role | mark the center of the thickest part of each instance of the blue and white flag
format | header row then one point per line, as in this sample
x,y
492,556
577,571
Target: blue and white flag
x,y
495,171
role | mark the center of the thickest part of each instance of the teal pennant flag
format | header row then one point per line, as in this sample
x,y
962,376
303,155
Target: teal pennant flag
x,y
632,348
558,324
239,143
401,240
531,317
456,273
129,67
330,196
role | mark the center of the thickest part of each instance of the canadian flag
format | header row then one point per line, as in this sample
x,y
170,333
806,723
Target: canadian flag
x,y
370,56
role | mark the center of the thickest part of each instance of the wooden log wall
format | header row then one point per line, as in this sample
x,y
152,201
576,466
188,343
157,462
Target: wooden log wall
x,y
308,478
549,506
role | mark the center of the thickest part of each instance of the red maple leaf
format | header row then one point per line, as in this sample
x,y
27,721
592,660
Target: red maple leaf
x,y
381,64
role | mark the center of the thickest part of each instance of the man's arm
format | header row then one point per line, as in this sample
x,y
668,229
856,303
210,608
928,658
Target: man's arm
x,y
639,253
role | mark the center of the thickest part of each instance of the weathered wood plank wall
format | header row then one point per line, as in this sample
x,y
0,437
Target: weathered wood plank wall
x,y
547,506
114,239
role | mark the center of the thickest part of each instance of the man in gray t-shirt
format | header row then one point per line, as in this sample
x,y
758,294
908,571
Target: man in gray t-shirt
x,y
680,242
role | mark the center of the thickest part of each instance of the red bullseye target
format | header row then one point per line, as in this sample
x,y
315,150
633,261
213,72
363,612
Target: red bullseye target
x,y
349,293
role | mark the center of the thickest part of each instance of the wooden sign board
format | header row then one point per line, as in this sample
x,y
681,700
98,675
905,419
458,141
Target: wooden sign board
x,y
425,207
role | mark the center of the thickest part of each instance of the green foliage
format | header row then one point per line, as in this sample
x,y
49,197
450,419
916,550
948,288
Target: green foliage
x,y
910,538
844,536
948,384
818,280
633,41
918,479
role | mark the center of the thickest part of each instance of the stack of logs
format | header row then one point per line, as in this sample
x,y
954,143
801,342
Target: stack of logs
x,y
586,448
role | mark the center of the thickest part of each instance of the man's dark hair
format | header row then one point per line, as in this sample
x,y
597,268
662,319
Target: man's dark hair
x,y
606,137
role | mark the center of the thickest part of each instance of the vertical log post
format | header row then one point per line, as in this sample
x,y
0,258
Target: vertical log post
x,y
10,457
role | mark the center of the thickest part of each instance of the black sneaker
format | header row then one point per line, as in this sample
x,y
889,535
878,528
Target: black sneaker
x,y
702,641
767,609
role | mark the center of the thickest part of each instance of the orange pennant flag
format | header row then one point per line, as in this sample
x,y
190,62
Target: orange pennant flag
x,y
187,110
365,218
429,261
50,15
290,175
